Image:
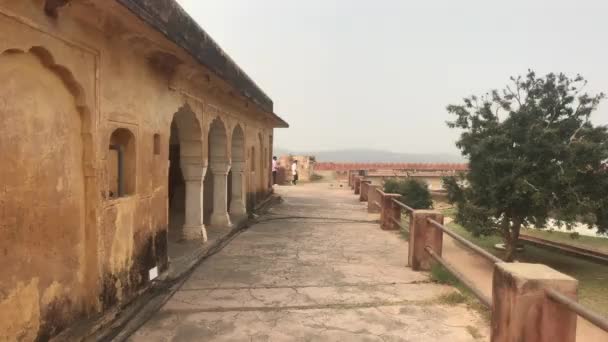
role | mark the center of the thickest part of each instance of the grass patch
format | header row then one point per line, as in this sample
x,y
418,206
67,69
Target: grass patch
x,y
598,243
453,298
441,275
474,332
405,222
448,212
485,242
583,241
593,277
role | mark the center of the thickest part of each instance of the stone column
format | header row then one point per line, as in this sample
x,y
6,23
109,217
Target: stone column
x,y
521,310
423,234
363,191
358,180
373,197
237,204
219,216
194,228
387,211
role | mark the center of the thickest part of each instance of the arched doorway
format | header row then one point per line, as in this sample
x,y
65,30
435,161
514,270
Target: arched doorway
x,y
238,207
186,172
219,165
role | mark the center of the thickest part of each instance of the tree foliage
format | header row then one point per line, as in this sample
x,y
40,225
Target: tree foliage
x,y
414,193
533,155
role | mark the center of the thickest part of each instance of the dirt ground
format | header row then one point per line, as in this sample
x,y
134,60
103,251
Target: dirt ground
x,y
317,267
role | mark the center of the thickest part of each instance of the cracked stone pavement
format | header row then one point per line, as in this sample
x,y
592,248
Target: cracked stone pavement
x,y
316,268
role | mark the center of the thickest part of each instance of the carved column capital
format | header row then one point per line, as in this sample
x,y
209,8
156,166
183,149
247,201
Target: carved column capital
x,y
193,172
238,166
220,168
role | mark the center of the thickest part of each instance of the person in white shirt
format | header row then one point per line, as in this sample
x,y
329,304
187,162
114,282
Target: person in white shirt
x,y
275,168
294,172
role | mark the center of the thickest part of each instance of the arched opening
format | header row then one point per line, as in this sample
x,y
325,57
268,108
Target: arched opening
x,y
121,164
177,186
48,218
216,183
236,187
186,174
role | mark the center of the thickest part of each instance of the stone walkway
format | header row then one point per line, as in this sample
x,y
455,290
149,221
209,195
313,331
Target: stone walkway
x,y
316,268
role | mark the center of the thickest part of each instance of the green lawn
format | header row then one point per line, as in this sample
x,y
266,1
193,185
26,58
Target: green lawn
x,y
593,277
597,243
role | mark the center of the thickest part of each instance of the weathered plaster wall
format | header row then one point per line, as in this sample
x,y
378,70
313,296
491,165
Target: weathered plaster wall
x,y
68,248
42,196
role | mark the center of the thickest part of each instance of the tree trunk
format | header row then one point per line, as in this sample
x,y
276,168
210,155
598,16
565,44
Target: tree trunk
x,y
510,250
512,240
505,228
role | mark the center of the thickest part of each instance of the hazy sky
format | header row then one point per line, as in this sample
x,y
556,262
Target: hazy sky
x,y
379,74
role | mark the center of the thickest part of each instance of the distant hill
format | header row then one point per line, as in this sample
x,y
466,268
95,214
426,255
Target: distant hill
x,y
375,156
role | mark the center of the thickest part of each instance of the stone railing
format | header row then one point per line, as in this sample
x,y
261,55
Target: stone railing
x,y
529,302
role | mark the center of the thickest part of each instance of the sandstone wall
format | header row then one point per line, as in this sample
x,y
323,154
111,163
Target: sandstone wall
x,y
69,248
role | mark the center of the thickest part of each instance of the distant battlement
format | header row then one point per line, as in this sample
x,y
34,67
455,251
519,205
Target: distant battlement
x,y
329,166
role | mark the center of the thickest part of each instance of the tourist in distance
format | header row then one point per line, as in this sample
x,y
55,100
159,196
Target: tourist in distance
x,y
294,172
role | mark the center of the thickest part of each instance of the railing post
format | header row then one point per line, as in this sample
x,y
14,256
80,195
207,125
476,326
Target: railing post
x,y
423,234
373,197
387,212
363,191
521,310
358,180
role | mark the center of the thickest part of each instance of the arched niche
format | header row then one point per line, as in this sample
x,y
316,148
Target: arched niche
x,y
122,163
48,157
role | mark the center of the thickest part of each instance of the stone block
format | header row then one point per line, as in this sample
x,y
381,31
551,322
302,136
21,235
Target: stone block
x,y
358,180
387,211
522,311
373,197
423,234
363,191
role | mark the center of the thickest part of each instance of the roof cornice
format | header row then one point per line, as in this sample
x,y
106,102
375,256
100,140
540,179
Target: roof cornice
x,y
169,18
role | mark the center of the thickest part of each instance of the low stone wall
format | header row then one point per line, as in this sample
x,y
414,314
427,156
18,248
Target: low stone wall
x,y
529,303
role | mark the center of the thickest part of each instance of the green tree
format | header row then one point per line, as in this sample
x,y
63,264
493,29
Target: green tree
x,y
414,193
533,155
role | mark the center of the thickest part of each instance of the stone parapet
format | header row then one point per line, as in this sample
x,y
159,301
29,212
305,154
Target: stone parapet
x,y
387,211
423,234
363,190
357,188
373,198
521,310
